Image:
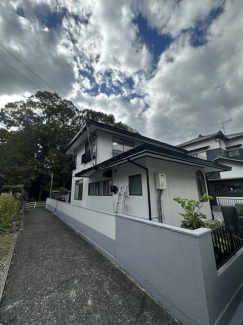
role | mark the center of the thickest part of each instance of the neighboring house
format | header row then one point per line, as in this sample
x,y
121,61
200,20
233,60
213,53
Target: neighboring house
x,y
117,171
225,149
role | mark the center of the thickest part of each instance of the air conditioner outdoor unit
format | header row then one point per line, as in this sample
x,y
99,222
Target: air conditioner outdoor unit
x,y
160,181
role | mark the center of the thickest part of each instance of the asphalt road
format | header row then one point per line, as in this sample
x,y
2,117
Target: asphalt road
x,y
57,277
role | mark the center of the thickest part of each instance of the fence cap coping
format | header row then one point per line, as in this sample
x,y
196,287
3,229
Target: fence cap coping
x,y
195,233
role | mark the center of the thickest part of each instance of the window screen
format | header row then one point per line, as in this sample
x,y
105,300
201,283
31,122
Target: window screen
x,y
78,195
107,187
200,184
135,185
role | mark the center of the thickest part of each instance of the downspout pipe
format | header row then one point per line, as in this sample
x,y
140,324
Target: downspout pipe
x,y
148,187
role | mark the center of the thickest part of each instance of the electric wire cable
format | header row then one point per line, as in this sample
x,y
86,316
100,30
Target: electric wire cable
x,y
28,68
20,74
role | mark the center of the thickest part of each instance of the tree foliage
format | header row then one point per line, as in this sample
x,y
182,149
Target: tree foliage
x,y
37,132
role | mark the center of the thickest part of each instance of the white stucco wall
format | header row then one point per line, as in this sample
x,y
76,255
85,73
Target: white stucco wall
x,y
237,169
181,182
234,142
210,142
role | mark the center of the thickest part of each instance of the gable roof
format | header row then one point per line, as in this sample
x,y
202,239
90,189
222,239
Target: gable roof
x,y
218,134
136,136
148,150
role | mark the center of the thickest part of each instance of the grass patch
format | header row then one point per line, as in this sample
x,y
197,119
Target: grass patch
x,y
5,243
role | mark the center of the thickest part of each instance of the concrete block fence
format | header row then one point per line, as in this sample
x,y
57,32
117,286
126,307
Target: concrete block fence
x,y
175,265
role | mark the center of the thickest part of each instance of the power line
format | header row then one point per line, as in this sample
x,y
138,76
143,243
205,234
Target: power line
x,y
21,74
28,68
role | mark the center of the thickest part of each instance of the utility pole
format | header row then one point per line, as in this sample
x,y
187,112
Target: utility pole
x,y
222,123
51,185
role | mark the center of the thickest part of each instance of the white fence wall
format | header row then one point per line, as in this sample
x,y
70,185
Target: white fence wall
x,y
175,265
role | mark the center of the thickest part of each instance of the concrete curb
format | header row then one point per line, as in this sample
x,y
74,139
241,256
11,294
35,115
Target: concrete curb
x,y
4,275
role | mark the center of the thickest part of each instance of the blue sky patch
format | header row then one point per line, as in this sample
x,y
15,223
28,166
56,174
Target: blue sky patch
x,y
54,19
20,11
156,43
200,31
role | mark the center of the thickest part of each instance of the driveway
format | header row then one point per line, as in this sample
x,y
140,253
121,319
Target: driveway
x,y
57,277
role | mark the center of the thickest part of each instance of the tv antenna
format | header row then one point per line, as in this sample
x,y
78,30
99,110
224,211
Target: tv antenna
x,y
222,123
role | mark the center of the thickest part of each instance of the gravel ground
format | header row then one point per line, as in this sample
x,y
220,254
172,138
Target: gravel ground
x,y
5,243
56,277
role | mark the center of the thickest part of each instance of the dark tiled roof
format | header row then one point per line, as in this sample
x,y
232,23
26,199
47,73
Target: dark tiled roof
x,y
124,132
228,159
213,135
149,150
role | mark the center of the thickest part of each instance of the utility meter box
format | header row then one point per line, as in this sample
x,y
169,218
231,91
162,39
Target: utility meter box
x,y
160,181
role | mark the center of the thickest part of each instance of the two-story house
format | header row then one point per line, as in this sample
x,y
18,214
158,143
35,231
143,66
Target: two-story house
x,y
117,171
226,149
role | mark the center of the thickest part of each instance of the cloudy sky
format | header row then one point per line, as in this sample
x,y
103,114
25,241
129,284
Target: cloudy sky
x,y
168,68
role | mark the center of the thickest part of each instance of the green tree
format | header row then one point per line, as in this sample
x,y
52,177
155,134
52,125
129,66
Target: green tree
x,y
38,131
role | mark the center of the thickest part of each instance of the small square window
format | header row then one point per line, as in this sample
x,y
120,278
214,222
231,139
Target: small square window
x,y
135,185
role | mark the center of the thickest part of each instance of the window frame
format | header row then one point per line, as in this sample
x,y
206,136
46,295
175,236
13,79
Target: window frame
x,y
103,187
100,189
233,153
92,184
79,188
201,184
129,178
122,142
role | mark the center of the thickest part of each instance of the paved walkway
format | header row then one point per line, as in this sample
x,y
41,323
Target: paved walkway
x,y
59,278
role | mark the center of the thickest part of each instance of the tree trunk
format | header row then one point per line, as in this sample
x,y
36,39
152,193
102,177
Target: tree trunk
x,y
40,193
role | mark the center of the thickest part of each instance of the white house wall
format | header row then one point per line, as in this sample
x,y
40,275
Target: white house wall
x,y
237,169
234,142
135,205
181,182
210,142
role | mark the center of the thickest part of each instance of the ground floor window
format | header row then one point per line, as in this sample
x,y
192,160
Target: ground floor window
x,y
100,188
200,184
107,187
91,188
78,195
135,185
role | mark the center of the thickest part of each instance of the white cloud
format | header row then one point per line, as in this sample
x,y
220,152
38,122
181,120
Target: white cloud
x,y
98,43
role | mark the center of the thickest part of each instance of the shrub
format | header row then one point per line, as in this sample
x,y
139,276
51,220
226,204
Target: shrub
x,y
9,208
192,216
63,191
17,190
240,208
215,224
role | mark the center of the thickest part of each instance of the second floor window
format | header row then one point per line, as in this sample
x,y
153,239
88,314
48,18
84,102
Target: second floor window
x,y
234,153
121,145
